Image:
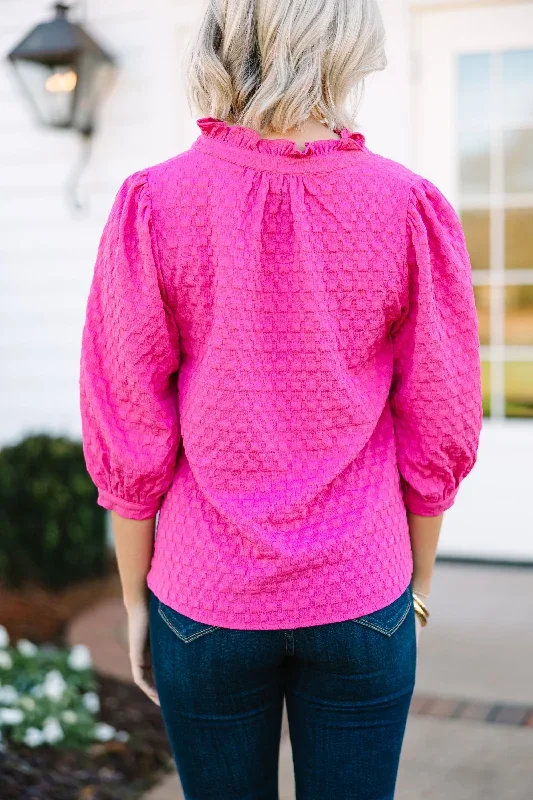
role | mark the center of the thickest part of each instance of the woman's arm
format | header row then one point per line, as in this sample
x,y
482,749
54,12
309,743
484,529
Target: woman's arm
x,y
436,387
130,357
134,541
424,532
129,363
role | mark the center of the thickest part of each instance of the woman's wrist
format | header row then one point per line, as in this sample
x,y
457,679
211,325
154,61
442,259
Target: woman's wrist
x,y
424,534
134,597
421,586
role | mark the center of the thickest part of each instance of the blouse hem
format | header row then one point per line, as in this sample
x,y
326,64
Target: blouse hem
x,y
330,612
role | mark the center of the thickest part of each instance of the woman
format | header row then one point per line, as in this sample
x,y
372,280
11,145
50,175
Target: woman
x,y
281,357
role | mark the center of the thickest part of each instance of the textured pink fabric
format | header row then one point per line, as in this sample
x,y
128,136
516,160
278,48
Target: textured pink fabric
x,y
280,354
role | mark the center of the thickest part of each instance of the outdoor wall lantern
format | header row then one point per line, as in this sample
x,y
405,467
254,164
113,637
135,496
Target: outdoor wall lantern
x,y
64,74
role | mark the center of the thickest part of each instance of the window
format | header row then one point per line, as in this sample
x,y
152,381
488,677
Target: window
x,y
495,147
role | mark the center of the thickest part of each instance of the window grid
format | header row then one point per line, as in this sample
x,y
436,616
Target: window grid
x,y
498,353
497,253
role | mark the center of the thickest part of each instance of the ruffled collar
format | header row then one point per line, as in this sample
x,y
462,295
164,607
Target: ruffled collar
x,y
250,139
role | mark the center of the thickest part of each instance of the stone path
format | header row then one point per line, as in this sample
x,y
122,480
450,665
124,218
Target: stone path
x,y
103,629
470,730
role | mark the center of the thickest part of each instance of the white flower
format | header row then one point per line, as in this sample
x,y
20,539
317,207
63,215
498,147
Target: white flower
x,y
37,691
52,730
91,701
33,737
54,685
70,717
104,732
80,657
8,695
11,716
4,637
122,736
6,662
27,703
27,648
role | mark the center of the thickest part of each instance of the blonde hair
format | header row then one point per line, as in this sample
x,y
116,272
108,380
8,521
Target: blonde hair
x,y
271,64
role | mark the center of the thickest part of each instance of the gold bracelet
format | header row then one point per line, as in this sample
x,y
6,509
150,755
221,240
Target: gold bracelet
x,y
421,609
418,601
421,617
420,606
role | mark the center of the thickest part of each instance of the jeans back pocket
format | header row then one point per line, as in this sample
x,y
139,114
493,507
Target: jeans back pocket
x,y
387,620
184,627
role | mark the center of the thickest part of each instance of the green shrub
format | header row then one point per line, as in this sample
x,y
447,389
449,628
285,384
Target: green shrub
x,y
52,532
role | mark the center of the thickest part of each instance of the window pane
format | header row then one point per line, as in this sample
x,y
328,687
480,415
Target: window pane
x,y
518,161
519,389
485,387
474,161
519,315
474,97
519,238
482,295
517,87
476,225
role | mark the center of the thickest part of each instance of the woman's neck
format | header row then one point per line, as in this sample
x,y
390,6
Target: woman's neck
x,y
311,130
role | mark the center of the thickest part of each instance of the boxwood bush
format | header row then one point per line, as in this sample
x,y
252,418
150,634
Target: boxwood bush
x,y
52,532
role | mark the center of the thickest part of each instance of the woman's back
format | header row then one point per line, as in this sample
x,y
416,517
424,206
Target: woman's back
x,y
301,362
281,357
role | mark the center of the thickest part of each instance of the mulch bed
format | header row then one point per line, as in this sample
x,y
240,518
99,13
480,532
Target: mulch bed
x,y
110,771
40,615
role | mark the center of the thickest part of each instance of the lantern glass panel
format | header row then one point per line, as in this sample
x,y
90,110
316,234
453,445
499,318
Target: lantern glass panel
x,y
94,78
52,89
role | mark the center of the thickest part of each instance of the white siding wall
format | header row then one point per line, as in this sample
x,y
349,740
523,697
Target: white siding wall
x,y
47,251
385,117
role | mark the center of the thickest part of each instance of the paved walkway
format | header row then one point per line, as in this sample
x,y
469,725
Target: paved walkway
x,y
470,731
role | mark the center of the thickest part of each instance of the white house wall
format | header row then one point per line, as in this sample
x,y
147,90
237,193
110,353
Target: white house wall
x,y
385,117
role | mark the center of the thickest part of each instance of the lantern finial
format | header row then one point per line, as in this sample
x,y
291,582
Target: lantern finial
x,y
61,10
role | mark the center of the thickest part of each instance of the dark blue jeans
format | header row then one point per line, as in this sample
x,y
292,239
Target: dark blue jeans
x,y
347,685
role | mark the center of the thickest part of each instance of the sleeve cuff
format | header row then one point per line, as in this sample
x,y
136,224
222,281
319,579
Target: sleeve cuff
x,y
416,504
127,509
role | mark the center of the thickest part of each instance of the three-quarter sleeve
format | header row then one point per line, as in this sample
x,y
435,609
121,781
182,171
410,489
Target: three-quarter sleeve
x,y
436,389
129,363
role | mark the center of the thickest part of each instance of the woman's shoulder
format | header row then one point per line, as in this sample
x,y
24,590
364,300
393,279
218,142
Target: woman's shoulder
x,y
159,183
158,174
423,197
390,171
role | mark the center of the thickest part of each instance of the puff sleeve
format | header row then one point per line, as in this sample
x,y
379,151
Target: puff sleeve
x,y
129,363
436,388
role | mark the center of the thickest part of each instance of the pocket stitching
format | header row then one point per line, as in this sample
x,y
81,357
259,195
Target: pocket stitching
x,y
386,631
180,635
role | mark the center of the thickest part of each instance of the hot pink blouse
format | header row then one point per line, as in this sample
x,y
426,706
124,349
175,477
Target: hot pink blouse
x,y
280,354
